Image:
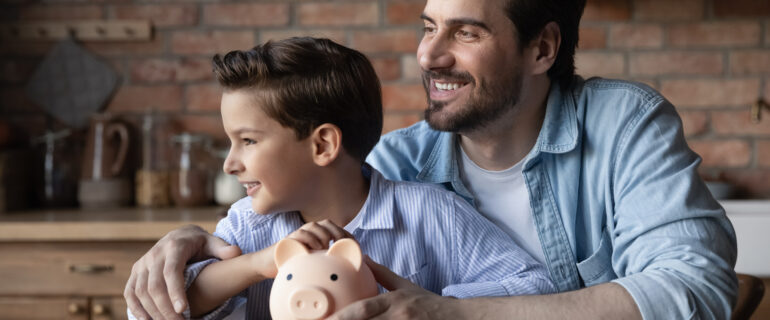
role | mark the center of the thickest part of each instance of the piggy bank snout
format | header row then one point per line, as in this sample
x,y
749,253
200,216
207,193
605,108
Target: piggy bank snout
x,y
310,303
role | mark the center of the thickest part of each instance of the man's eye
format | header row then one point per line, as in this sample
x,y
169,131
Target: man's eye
x,y
466,35
248,141
429,29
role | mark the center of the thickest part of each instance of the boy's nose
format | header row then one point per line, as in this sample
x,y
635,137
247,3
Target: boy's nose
x,y
231,165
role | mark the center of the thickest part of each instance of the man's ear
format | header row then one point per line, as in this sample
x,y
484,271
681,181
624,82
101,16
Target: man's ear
x,y
327,143
545,48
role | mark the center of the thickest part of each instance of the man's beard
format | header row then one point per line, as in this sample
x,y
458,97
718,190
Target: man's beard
x,y
484,105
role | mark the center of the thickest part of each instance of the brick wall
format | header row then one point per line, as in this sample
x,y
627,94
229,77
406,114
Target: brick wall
x,y
711,58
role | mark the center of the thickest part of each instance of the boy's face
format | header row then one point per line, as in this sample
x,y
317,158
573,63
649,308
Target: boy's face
x,y
266,157
471,63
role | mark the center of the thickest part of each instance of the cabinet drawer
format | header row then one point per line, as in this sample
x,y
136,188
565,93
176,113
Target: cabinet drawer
x,y
72,268
43,308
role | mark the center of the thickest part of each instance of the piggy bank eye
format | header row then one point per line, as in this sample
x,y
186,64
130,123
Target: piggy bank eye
x,y
334,277
288,277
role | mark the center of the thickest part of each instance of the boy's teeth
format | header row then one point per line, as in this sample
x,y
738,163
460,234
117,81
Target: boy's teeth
x,y
447,86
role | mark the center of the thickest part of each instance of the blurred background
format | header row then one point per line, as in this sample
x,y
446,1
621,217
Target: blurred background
x,y
109,105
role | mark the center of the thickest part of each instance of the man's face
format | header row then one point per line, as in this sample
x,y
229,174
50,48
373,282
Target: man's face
x,y
471,63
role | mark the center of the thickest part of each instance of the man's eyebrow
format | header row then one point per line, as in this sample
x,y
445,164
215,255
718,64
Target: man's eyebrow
x,y
459,21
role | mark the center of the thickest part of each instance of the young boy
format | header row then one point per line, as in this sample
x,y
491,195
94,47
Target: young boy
x,y
301,115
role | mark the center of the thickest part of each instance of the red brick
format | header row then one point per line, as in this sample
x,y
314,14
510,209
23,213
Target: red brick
x,y
337,36
207,124
742,8
16,71
750,62
162,15
402,40
401,12
711,92
338,14
636,36
752,183
211,42
767,34
14,100
387,68
246,14
669,10
739,123
203,97
590,64
694,122
723,153
132,48
411,69
393,121
169,70
592,38
714,34
403,97
142,98
607,10
676,63
767,90
763,153
61,12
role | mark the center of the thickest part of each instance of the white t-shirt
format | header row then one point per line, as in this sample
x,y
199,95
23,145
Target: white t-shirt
x,y
503,198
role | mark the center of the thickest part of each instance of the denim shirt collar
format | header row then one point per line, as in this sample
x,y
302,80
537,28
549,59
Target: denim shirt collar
x,y
559,134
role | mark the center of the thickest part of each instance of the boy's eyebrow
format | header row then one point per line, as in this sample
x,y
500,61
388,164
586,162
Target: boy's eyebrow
x,y
245,129
459,21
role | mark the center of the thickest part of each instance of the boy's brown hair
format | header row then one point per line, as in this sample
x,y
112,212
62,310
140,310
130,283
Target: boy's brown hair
x,y
304,82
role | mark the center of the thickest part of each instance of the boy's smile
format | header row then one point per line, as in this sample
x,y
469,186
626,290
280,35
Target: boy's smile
x,y
268,159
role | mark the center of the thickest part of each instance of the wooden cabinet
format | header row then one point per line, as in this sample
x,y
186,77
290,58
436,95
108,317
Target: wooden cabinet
x,y
73,264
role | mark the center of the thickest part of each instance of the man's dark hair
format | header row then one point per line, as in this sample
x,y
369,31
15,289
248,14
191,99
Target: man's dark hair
x,y
530,16
305,82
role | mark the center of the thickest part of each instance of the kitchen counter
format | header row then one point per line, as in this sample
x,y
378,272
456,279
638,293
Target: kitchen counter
x,y
118,224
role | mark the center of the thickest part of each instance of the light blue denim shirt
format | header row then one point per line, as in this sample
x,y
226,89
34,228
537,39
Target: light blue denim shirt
x,y
615,196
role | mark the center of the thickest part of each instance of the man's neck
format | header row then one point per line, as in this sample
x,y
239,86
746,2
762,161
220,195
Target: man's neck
x,y
507,140
338,196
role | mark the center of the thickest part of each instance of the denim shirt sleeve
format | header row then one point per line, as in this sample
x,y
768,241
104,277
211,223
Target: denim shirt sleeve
x,y
674,248
487,263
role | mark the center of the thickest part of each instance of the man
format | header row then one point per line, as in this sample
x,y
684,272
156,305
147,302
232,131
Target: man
x,y
592,177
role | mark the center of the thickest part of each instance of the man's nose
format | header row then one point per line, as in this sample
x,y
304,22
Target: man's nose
x,y
434,53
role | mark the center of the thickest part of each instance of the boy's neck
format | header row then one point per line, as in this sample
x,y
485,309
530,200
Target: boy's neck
x,y
340,193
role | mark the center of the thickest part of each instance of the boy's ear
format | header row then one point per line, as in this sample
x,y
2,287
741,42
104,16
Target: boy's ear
x,y
327,143
545,48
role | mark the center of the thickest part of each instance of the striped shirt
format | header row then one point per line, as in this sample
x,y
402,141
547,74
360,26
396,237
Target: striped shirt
x,y
423,233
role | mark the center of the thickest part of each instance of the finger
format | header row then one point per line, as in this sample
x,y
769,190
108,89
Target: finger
x,y
131,300
156,287
363,309
320,232
173,273
307,238
144,297
336,232
388,279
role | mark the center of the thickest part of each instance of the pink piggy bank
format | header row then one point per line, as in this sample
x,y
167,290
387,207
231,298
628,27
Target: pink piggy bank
x,y
315,284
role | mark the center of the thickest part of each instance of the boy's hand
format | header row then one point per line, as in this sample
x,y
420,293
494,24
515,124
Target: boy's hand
x,y
316,235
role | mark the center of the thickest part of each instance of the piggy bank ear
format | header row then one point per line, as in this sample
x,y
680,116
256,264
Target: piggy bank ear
x,y
347,249
286,249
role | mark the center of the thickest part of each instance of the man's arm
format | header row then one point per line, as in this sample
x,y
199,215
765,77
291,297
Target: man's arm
x,y
408,301
155,288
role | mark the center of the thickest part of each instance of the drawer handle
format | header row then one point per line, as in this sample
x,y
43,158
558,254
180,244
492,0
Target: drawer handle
x,y
91,268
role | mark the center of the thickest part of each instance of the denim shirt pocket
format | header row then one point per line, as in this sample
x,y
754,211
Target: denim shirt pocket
x,y
597,268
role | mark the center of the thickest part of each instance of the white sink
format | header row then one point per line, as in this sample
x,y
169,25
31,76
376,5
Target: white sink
x,y
751,220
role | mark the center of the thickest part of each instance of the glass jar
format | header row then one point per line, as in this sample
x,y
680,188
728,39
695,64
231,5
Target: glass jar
x,y
227,189
58,170
152,178
191,177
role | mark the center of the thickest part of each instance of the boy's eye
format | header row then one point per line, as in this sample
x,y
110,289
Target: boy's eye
x,y
248,141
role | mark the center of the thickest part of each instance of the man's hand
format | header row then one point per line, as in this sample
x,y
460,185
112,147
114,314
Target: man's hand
x,y
404,301
156,282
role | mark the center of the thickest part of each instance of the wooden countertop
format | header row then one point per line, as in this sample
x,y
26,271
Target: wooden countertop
x,y
119,224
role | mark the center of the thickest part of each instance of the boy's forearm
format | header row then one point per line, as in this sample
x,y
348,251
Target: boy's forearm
x,y
221,280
